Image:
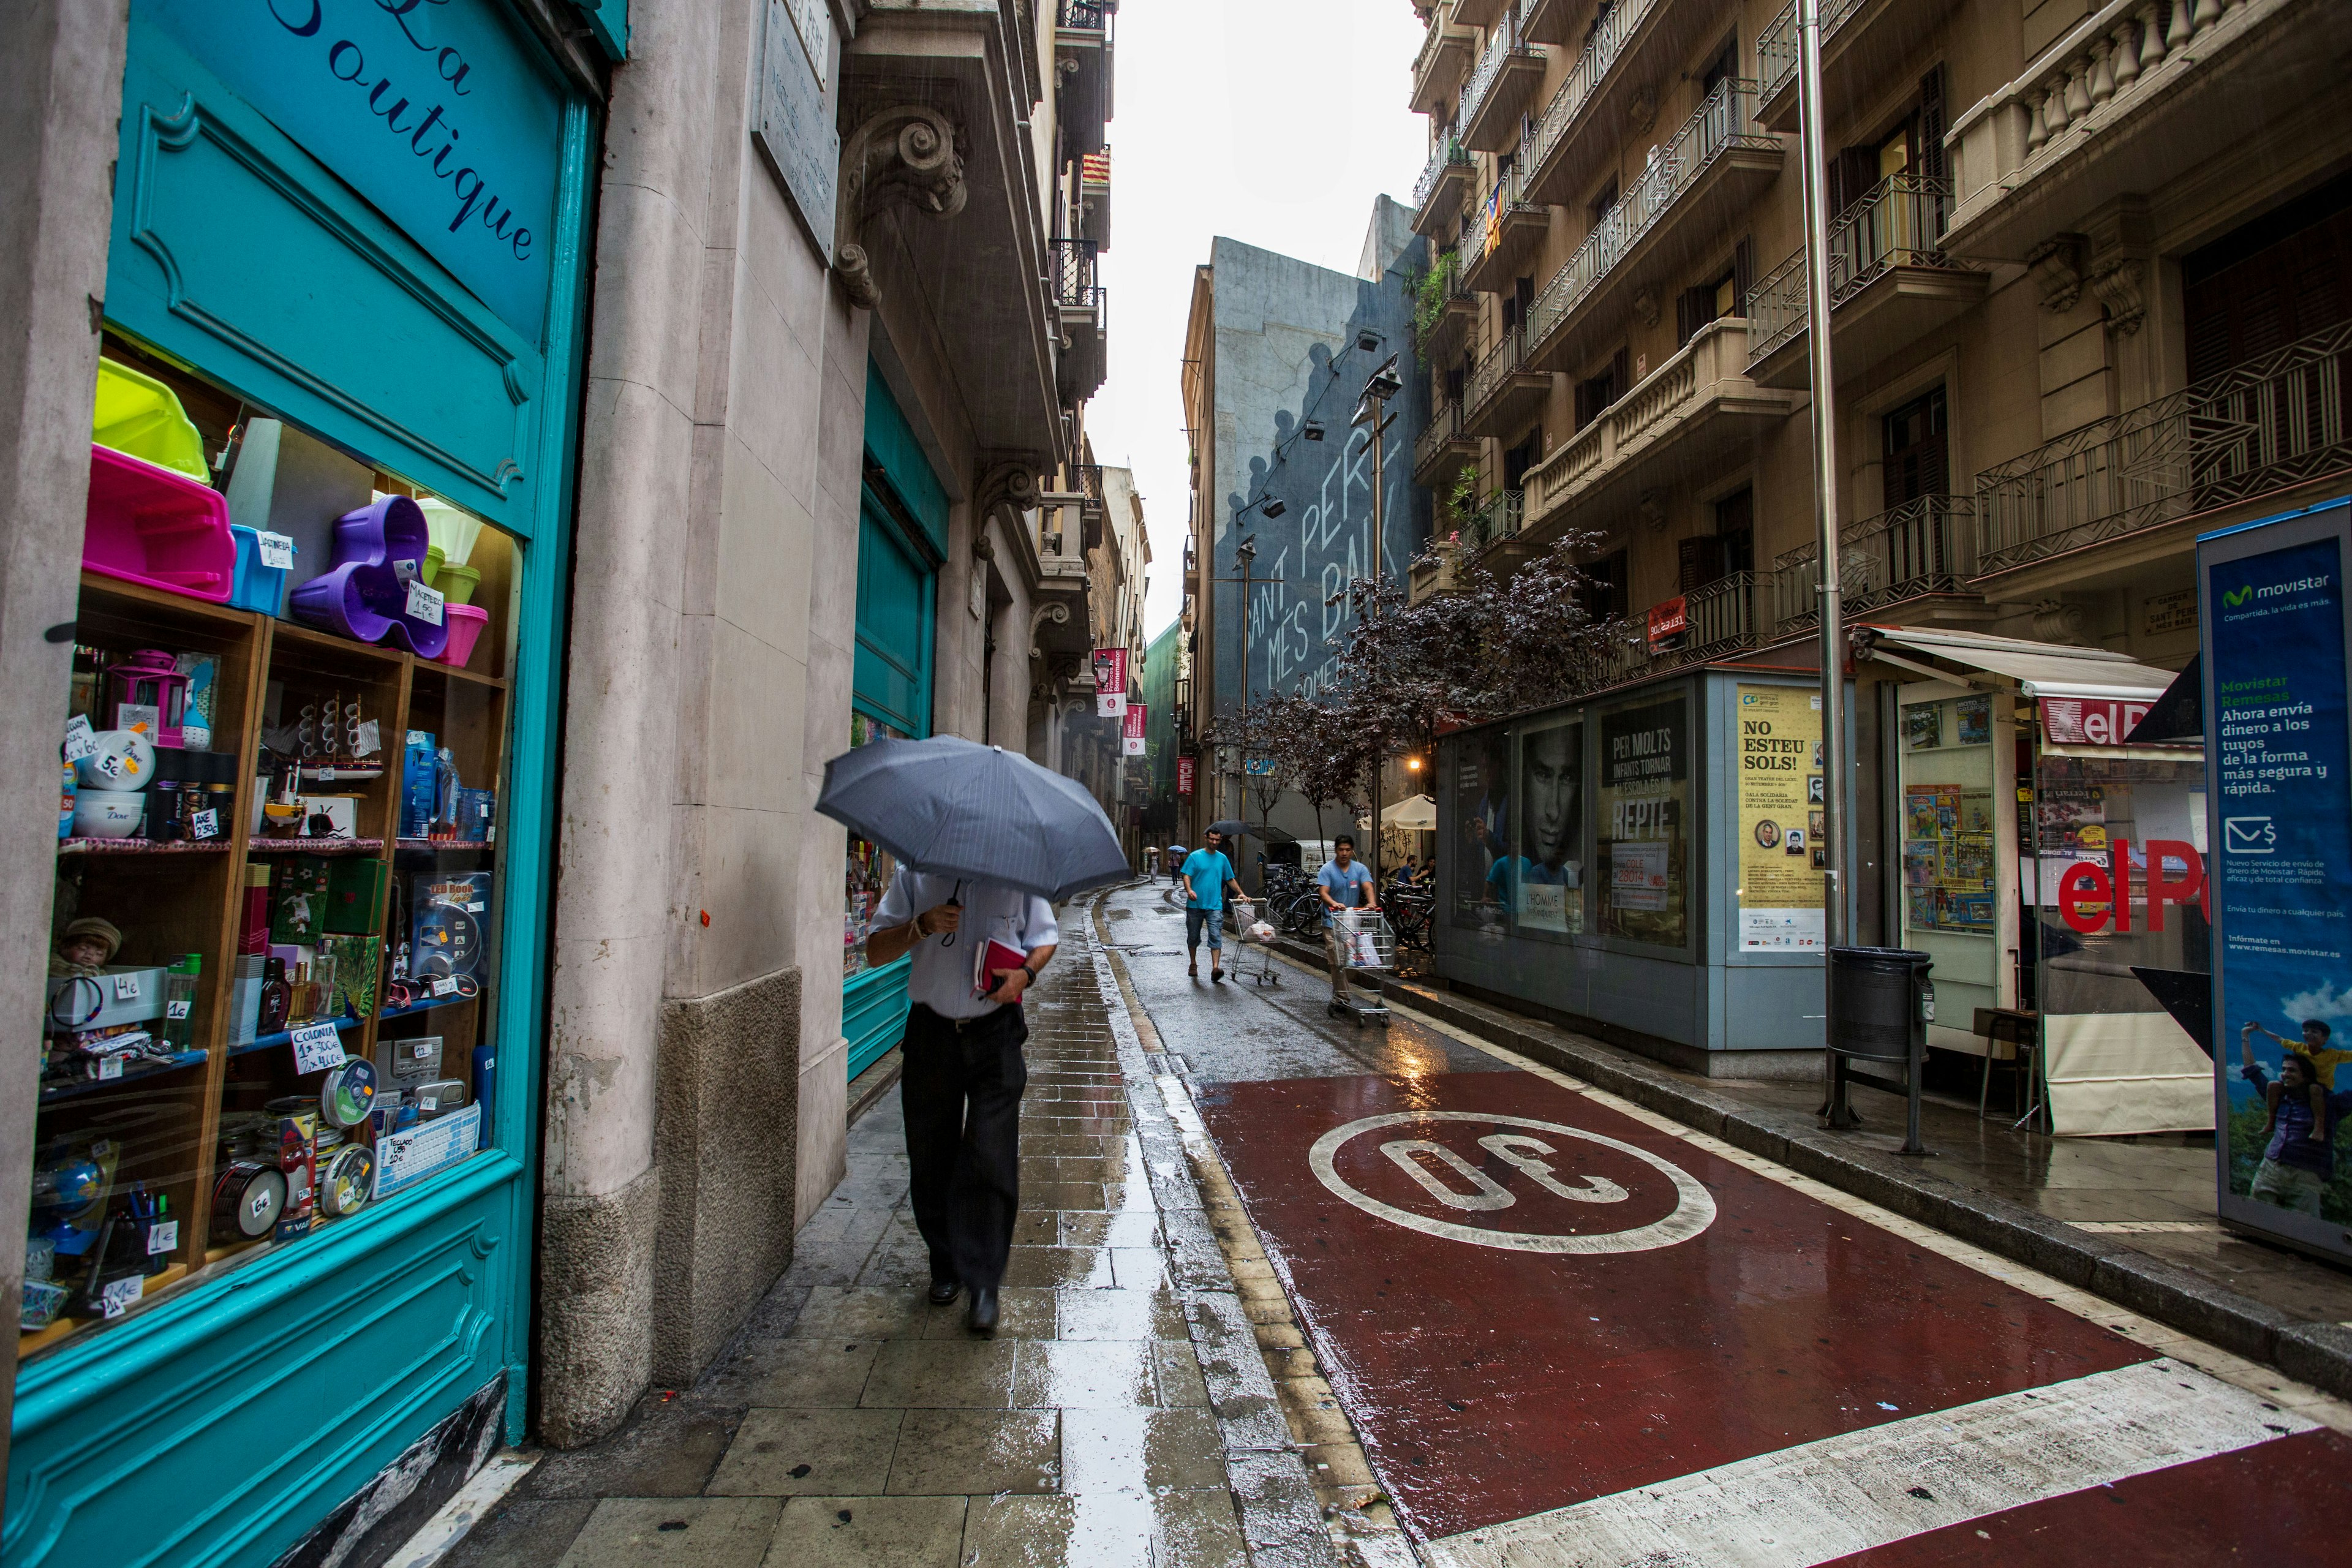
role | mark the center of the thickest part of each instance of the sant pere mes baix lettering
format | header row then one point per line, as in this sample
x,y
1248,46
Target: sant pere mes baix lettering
x,y
431,134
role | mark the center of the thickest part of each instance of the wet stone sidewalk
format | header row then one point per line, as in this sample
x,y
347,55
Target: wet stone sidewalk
x,y
1122,1415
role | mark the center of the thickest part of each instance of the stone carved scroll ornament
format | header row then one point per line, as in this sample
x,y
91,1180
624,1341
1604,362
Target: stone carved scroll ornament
x,y
903,156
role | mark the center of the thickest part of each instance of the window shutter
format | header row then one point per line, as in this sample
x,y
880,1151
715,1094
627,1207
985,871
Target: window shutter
x,y
1931,125
1743,276
1692,308
1620,377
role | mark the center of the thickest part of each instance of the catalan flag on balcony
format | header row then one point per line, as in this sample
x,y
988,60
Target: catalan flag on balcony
x,y
1490,222
1096,170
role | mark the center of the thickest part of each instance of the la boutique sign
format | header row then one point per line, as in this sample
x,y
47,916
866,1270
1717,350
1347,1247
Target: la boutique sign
x,y
437,111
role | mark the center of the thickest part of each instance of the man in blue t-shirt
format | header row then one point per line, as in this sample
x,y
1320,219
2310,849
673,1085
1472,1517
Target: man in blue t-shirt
x,y
1347,884
1206,874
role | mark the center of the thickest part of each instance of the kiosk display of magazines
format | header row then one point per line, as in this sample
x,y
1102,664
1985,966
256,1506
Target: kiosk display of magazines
x,y
2046,857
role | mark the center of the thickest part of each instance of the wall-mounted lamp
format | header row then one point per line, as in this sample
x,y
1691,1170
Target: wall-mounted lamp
x,y
1312,430
1370,341
1272,506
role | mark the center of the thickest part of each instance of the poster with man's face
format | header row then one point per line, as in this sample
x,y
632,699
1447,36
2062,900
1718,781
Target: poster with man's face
x,y
1548,875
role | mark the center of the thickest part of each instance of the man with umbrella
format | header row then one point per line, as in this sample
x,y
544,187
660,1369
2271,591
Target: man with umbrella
x,y
986,840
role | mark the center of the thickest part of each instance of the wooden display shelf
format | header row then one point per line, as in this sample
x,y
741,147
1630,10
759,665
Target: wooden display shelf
x,y
66,1328
74,1090
315,846
140,846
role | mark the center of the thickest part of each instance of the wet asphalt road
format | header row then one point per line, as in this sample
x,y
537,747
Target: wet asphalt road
x,y
1567,1332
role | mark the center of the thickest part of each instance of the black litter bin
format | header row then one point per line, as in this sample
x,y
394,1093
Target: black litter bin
x,y
1881,1002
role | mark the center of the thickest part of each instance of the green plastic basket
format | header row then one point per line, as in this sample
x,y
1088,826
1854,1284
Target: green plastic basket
x,y
139,416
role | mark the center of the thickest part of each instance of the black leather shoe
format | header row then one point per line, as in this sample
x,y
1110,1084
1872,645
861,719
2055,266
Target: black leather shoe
x,y
945,1291
982,1315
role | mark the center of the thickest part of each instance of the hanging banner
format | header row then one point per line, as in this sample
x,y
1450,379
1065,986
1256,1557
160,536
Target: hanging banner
x,y
1110,682
1668,621
1781,907
2279,826
1183,776
1131,734
2090,720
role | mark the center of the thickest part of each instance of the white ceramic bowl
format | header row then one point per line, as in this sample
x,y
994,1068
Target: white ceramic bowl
x,y
132,754
108,813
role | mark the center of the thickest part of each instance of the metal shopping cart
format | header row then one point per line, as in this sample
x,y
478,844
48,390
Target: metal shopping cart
x,y
1247,925
1371,947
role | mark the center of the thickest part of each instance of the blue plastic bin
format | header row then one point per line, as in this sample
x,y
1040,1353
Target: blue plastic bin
x,y
257,587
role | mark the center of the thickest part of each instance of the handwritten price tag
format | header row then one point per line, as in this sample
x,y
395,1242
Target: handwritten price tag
x,y
120,1295
444,986
277,551
110,1069
164,1236
126,987
177,1007
204,824
317,1047
424,603
79,742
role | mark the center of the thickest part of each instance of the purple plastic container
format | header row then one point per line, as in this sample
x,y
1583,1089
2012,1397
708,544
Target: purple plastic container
x,y
378,549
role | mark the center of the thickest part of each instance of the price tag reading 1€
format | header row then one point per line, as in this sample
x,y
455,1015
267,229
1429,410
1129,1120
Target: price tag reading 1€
x,y
317,1047
164,1236
277,551
120,1295
424,603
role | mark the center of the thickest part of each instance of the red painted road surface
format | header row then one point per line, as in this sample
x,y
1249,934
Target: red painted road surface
x,y
1491,1379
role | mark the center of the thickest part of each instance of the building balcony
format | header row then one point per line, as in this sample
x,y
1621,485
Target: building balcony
x,y
2134,98
1550,21
1610,96
1508,76
2254,432
1499,518
1456,317
1693,415
1865,43
1504,392
1718,620
1082,41
1891,283
1500,236
1920,550
1445,54
1094,198
1480,13
1695,189
1437,195
1443,449
1080,302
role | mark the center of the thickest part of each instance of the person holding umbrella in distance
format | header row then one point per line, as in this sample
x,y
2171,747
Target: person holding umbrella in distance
x,y
986,842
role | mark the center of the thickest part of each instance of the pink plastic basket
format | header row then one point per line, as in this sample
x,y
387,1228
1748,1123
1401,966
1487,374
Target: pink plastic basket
x,y
150,525
466,624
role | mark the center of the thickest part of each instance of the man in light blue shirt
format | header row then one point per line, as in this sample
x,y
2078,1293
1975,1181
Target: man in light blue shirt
x,y
1206,874
964,1075
1347,884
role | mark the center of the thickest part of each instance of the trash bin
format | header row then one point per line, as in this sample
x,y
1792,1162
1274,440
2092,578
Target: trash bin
x,y
1880,1002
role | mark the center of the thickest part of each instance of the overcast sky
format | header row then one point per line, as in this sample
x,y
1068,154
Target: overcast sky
x,y
1270,121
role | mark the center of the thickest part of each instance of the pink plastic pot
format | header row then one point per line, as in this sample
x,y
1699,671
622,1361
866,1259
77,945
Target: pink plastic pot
x,y
466,624
151,526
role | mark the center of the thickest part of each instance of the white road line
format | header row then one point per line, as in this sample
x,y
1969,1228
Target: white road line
x,y
2260,1381
1844,1494
473,1503
2146,1227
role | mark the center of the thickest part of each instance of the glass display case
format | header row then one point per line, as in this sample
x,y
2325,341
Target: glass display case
x,y
1950,908
278,874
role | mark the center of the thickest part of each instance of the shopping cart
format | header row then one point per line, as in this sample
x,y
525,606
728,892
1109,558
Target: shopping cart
x,y
1264,970
1372,948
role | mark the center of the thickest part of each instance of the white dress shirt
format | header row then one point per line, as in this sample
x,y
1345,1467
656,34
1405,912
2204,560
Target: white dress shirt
x,y
944,964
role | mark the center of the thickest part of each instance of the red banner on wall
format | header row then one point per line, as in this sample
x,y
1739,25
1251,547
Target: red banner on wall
x,y
1110,682
1183,776
1131,732
1667,623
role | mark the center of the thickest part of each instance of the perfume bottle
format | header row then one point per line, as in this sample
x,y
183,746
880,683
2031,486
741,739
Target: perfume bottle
x,y
275,997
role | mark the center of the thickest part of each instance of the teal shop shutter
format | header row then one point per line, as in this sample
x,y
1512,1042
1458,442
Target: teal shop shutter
x,y
902,536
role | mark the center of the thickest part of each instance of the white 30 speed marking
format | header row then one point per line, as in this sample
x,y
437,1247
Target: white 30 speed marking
x,y
1694,1209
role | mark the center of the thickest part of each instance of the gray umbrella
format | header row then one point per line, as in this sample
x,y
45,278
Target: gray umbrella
x,y
954,808
1234,827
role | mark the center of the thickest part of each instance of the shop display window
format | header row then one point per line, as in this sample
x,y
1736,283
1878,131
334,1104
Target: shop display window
x,y
870,866
1945,749
272,1002
1478,770
1643,821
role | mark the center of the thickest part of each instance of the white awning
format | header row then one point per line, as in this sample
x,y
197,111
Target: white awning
x,y
2040,668
1416,813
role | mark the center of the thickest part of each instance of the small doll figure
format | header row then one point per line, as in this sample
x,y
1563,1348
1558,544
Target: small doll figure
x,y
86,947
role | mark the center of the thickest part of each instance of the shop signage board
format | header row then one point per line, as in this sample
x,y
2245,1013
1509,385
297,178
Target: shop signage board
x,y
1669,619
2090,720
2280,829
1110,682
797,132
1183,776
437,114
1781,907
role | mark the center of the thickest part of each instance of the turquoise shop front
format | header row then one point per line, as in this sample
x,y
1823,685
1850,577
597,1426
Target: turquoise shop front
x,y
278,1254
902,536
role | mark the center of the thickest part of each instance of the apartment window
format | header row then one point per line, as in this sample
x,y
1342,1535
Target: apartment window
x,y
1595,393
1600,17
1725,294
1603,592
1518,459
1603,203
1710,557
1722,68
1453,380
2283,276
1918,450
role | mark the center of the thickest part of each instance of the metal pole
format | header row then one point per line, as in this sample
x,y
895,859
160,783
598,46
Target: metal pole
x,y
1380,763
1836,785
1247,553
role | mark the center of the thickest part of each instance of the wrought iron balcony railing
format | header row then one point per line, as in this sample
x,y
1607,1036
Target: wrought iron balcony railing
x,y
1718,620
1725,120
1074,273
1609,30
1900,223
1924,546
1501,44
1445,427
1777,48
1448,153
2254,430
1499,517
1086,16
1496,367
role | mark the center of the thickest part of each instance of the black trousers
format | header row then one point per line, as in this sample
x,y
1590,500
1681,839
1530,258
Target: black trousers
x,y
961,1091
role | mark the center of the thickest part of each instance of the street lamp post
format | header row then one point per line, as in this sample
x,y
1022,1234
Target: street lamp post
x,y
1836,793
1246,554
1383,386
